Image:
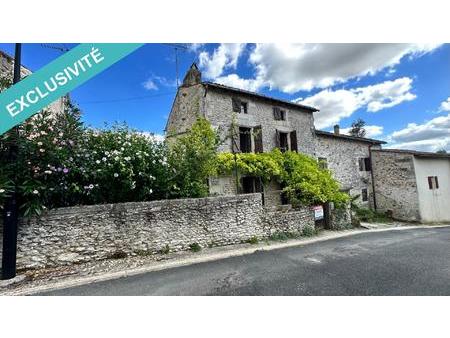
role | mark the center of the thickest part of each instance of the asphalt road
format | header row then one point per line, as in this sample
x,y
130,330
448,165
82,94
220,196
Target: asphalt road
x,y
407,262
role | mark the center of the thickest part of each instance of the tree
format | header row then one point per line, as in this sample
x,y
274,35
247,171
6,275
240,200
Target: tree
x,y
192,159
357,128
441,151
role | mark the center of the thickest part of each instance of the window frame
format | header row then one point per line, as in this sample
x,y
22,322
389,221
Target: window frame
x,y
364,195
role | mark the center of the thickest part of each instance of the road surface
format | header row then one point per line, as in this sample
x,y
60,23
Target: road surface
x,y
406,262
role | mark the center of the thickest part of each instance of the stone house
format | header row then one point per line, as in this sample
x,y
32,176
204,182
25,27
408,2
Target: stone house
x,y
349,159
7,70
265,123
412,185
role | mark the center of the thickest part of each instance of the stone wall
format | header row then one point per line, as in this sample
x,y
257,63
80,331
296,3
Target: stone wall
x,y
288,221
80,234
395,184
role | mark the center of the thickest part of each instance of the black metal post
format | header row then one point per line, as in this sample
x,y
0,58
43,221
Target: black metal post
x,y
11,210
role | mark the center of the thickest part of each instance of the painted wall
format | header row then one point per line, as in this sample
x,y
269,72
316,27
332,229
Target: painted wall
x,y
434,203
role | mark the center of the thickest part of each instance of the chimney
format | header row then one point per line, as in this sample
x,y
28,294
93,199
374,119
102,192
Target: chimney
x,y
336,129
193,76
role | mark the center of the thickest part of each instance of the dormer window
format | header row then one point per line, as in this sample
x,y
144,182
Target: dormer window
x,y
279,114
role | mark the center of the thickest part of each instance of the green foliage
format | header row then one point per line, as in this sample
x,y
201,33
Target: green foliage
x,y
262,165
192,160
165,250
309,231
283,236
371,216
195,247
357,128
253,240
303,180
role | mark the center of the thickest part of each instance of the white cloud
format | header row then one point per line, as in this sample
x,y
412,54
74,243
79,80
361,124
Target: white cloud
x,y
153,136
339,104
432,135
149,84
371,131
233,80
445,105
154,82
225,56
294,67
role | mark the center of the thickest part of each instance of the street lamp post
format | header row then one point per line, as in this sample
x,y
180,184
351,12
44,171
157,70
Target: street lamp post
x,y
11,209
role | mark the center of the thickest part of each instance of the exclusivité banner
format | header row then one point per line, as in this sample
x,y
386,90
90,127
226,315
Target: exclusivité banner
x,y
56,79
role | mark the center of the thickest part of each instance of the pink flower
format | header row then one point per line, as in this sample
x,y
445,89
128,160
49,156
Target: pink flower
x,y
65,170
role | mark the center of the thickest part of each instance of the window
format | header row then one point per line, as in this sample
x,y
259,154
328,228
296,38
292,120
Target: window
x,y
364,195
323,163
433,182
283,138
284,145
245,140
243,109
278,114
364,164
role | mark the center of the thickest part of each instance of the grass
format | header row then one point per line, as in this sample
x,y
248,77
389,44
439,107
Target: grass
x,y
307,231
253,240
371,216
165,250
195,247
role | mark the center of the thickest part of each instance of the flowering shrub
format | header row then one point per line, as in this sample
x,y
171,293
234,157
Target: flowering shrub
x,y
63,163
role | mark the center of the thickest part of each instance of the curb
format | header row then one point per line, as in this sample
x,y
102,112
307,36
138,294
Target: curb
x,y
206,258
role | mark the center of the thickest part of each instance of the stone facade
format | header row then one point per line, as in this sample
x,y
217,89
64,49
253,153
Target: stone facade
x,y
342,156
7,69
80,234
219,111
395,184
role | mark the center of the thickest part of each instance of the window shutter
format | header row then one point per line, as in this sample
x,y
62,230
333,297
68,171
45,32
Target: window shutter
x,y
361,164
430,182
436,182
367,164
236,105
257,132
277,139
276,113
293,135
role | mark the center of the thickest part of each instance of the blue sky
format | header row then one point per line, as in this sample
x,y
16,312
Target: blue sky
x,y
402,91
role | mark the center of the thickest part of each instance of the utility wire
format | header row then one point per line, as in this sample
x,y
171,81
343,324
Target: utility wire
x,y
129,98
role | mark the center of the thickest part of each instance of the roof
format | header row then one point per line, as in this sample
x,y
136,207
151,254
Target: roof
x,y
414,153
348,137
261,96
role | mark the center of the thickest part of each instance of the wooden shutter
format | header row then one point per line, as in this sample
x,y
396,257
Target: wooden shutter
x,y
236,105
277,139
294,146
257,133
361,164
276,113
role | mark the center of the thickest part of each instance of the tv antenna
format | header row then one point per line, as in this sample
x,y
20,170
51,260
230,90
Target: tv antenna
x,y
177,47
